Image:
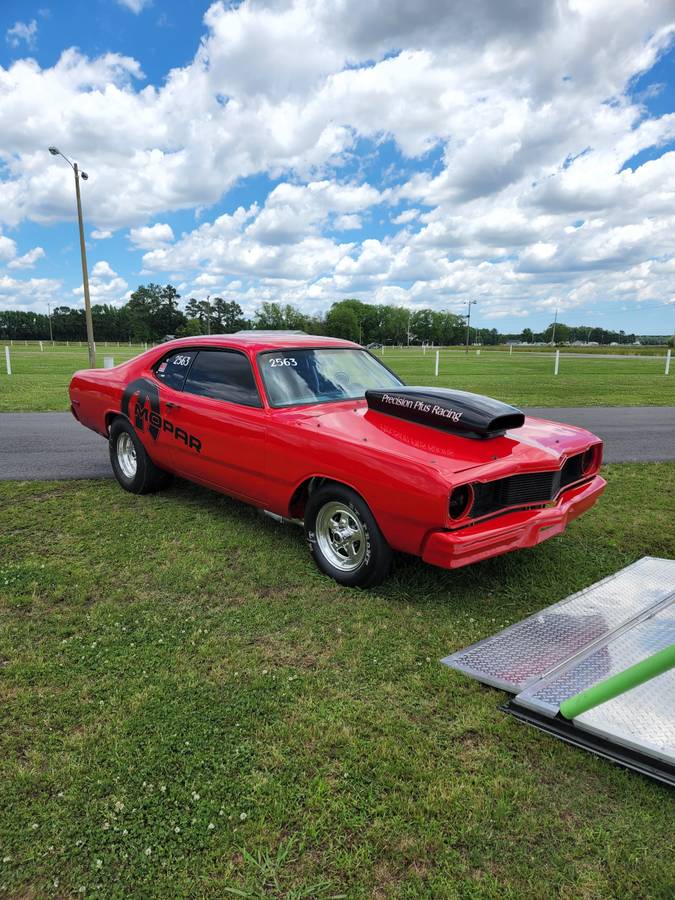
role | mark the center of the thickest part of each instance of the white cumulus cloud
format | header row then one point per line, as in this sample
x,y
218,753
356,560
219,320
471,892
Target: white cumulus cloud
x,y
506,132
150,236
22,32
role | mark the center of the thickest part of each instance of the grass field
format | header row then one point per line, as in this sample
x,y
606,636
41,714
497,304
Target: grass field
x,y
187,707
40,380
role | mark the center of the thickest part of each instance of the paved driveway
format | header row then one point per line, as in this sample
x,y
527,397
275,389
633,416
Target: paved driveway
x,y
54,446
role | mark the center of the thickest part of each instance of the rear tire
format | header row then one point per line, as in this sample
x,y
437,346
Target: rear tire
x,y
133,468
344,538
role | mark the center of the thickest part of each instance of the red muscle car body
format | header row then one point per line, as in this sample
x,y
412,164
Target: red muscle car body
x,y
509,488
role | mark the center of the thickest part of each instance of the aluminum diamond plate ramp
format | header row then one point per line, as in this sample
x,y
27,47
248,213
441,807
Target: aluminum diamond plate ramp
x,y
618,653
525,652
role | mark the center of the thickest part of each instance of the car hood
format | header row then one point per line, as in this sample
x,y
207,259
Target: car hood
x,y
537,445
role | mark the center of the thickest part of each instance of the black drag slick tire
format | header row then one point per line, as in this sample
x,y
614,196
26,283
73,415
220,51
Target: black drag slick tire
x,y
131,465
344,539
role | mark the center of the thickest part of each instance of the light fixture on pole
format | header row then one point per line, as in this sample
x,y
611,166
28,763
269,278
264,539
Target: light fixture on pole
x,y
83,253
469,304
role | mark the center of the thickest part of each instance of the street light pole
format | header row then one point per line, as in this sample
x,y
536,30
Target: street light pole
x,y
83,253
555,322
49,315
470,303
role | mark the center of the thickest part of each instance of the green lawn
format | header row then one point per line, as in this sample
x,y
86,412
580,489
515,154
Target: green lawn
x,y
40,380
187,706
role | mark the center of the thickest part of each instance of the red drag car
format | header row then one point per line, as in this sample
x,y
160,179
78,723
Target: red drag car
x,y
319,430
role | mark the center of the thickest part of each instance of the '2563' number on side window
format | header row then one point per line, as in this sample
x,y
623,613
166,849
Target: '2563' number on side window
x,y
283,361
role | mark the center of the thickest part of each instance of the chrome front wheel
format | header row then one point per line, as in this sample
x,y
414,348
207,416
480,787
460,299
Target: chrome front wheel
x,y
341,536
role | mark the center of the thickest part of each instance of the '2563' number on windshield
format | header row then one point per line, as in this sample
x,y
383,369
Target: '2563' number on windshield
x,y
276,361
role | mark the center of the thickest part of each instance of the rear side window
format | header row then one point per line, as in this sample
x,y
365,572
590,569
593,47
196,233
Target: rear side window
x,y
223,375
173,368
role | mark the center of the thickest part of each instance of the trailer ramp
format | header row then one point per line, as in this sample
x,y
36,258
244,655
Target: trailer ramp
x,y
580,642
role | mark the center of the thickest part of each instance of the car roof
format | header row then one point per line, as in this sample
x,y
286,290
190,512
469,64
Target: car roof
x,y
263,340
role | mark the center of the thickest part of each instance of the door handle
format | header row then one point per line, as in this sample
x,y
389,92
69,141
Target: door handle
x,y
170,405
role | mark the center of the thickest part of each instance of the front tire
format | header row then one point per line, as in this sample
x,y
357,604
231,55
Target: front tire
x,y
344,538
133,468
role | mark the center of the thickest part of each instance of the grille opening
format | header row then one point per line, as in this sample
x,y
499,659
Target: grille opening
x,y
531,488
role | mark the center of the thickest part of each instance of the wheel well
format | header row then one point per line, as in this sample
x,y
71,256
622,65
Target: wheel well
x,y
110,418
298,501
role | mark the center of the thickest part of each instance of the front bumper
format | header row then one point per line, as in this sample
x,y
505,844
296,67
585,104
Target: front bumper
x,y
512,531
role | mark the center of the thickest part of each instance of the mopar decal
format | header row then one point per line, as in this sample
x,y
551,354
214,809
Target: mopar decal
x,y
145,390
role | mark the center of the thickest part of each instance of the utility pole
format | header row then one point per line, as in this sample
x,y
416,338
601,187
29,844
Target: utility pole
x,y
49,314
469,304
83,253
409,315
208,313
555,322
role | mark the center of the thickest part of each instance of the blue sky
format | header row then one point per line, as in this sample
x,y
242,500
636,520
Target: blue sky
x,y
303,152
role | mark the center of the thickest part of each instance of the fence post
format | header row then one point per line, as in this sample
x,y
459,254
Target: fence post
x,y
668,361
9,365
437,364
42,349
477,352
557,362
108,362
510,349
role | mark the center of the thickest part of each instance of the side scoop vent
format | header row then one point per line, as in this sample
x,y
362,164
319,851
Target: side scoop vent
x,y
460,412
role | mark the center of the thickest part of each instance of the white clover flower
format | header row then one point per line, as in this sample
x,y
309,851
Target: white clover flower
x,y
99,863
177,829
243,817
211,826
148,851
119,806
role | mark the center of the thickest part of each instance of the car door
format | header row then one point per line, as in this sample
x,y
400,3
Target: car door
x,y
219,425
147,401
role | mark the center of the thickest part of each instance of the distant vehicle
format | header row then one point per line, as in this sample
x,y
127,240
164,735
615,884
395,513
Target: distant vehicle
x,y
318,430
374,346
167,337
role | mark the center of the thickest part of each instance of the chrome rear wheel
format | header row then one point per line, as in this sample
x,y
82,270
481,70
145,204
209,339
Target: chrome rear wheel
x,y
126,455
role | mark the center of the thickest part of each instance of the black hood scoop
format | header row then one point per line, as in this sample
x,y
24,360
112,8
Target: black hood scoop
x,y
469,415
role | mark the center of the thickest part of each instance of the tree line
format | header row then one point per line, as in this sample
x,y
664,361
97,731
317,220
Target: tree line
x,y
153,312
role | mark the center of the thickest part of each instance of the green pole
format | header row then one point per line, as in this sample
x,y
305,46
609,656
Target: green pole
x,y
617,684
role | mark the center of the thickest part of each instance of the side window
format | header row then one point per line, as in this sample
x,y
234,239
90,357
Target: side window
x,y
173,368
223,375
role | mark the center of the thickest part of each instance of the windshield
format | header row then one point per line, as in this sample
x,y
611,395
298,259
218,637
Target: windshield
x,y
294,377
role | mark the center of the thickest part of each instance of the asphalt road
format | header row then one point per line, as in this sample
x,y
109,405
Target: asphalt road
x,y
42,446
